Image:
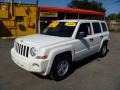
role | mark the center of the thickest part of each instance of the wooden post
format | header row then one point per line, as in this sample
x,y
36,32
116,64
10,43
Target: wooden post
x,y
78,16
12,7
65,16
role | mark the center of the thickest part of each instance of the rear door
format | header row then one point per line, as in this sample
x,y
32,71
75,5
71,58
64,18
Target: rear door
x,y
97,36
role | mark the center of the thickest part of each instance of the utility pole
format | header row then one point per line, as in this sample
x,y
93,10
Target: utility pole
x,y
37,17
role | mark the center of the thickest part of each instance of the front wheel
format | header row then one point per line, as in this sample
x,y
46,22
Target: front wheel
x,y
61,67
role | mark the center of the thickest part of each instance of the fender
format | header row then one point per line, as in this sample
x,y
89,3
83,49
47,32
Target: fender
x,y
55,52
103,40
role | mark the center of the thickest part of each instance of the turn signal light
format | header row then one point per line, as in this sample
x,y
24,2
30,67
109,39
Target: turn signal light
x,y
42,57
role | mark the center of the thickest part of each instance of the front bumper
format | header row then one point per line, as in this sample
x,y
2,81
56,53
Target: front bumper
x,y
32,65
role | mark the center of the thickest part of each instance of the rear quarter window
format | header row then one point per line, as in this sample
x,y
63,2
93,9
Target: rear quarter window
x,y
104,27
96,27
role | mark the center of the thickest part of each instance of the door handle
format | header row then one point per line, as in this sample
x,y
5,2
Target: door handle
x,y
101,36
91,39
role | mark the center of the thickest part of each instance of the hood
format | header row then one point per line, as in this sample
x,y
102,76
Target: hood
x,y
42,40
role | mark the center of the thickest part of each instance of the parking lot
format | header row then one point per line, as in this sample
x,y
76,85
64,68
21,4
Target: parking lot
x,y
91,74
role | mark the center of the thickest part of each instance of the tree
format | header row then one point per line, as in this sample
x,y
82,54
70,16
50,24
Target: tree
x,y
118,16
114,16
85,4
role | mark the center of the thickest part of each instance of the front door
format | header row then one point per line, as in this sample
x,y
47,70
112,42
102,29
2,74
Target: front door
x,y
84,42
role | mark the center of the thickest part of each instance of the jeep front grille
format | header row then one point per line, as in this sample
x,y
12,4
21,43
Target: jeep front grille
x,y
22,49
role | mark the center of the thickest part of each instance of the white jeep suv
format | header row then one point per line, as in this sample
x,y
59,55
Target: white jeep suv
x,y
62,42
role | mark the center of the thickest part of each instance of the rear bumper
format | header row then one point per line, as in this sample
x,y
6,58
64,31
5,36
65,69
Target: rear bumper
x,y
32,65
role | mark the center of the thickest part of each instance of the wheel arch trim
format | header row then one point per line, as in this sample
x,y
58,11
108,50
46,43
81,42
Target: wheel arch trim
x,y
56,51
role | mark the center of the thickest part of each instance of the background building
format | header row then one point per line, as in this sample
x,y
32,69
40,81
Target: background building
x,y
47,14
17,19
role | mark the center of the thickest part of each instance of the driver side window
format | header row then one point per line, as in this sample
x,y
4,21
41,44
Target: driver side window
x,y
84,29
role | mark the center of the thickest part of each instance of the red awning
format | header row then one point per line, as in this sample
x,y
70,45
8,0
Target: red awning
x,y
70,10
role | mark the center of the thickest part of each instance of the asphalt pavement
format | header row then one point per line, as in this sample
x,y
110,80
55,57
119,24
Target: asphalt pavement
x,y
93,73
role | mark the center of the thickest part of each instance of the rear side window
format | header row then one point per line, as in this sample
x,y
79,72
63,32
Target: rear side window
x,y
96,27
104,27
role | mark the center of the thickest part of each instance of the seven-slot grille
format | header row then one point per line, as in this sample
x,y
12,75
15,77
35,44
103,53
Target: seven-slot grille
x,y
22,49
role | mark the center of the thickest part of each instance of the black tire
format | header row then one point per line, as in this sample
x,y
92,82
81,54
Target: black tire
x,y
60,68
103,51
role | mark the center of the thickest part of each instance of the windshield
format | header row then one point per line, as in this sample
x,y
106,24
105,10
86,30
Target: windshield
x,y
61,29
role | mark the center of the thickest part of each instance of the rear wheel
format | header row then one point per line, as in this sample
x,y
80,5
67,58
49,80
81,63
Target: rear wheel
x,y
103,50
61,67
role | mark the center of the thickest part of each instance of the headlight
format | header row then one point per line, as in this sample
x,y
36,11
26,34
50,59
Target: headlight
x,y
33,51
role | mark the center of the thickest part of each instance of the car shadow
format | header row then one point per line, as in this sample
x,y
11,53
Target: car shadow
x,y
40,76
83,62
75,66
